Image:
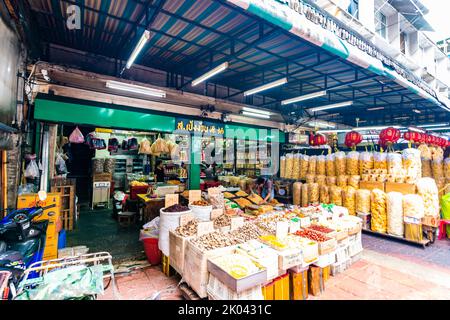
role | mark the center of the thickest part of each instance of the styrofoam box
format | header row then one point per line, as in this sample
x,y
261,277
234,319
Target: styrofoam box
x,y
219,291
341,254
325,260
270,261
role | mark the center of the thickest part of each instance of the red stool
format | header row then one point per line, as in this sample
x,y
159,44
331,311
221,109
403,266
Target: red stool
x,y
442,232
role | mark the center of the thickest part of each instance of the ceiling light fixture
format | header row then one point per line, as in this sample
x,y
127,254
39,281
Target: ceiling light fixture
x,y
417,111
334,131
135,89
375,109
259,111
140,45
256,115
210,73
332,106
439,129
374,128
416,129
267,86
433,125
321,124
304,97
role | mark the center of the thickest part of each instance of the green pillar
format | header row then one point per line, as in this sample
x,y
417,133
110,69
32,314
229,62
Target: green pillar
x,y
37,141
194,167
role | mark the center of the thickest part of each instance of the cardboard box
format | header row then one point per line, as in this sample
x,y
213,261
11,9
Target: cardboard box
x,y
369,185
403,188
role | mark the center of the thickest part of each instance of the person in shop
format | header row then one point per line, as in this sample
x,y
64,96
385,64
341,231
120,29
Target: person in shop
x,y
264,188
159,171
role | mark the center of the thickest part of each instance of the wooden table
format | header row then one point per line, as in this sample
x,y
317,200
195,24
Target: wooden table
x,y
149,207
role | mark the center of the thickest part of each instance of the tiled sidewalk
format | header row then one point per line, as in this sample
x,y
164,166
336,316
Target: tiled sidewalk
x,y
387,270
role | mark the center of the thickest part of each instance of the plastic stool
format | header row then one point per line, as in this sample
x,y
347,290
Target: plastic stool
x,y
126,218
442,232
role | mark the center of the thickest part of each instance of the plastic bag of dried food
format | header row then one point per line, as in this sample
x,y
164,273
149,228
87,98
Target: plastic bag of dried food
x,y
330,167
297,193
159,146
310,178
412,163
428,190
366,162
394,206
447,168
413,206
98,165
380,160
304,166
378,221
363,200
296,168
145,147
342,181
425,152
289,166
336,195
394,161
305,200
321,165
283,167
110,165
321,180
427,171
340,163
353,163
353,181
441,186
437,153
313,193
312,165
349,200
365,177
324,194
437,167
331,181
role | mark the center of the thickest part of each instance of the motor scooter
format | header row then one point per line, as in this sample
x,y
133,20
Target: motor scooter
x,y
22,241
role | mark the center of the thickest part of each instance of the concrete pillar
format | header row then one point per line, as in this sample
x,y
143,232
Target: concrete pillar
x,y
367,14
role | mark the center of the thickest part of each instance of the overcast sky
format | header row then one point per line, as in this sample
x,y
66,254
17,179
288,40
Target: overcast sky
x,y
439,18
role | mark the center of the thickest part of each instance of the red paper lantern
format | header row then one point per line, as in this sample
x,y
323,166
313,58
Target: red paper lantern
x,y
433,140
419,137
390,135
428,139
320,140
408,136
352,139
311,139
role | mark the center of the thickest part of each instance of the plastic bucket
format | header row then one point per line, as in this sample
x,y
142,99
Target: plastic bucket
x,y
152,251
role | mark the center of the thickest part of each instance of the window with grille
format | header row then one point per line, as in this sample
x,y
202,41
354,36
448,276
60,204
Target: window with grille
x,y
381,24
353,8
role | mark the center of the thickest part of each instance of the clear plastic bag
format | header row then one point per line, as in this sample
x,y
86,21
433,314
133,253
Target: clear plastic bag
x,y
283,167
378,222
145,147
353,181
32,170
76,136
446,168
340,163
313,193
363,198
412,164
331,181
394,206
380,160
336,195
353,163
349,200
321,165
304,166
296,168
342,181
425,152
305,200
330,167
289,165
437,167
321,180
366,162
310,178
312,165
413,206
297,193
427,171
60,165
324,194
395,164
428,190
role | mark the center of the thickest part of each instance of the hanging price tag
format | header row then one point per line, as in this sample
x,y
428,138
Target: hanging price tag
x,y
216,213
237,222
282,229
185,218
195,195
171,199
205,227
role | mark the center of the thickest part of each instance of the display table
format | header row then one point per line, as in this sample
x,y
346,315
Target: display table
x,y
149,207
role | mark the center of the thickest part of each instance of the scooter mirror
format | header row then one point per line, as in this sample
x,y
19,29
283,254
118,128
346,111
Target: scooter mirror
x,y
42,195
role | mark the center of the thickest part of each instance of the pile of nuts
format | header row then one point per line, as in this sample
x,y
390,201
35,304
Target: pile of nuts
x,y
319,228
213,240
312,235
246,233
188,230
222,221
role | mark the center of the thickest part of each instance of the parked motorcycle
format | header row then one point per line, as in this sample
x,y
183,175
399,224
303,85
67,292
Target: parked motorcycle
x,y
22,241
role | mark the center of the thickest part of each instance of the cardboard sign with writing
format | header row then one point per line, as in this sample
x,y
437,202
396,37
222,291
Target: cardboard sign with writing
x,y
282,229
205,227
195,195
171,199
216,213
294,225
185,218
237,222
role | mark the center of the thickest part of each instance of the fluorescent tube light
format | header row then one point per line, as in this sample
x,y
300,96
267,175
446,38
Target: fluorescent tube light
x,y
439,129
332,106
252,110
401,118
417,111
256,115
321,124
375,128
210,73
334,131
140,45
135,89
433,125
375,109
267,86
416,129
304,97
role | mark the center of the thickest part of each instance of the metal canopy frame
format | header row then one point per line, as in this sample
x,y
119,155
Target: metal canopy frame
x,y
189,38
